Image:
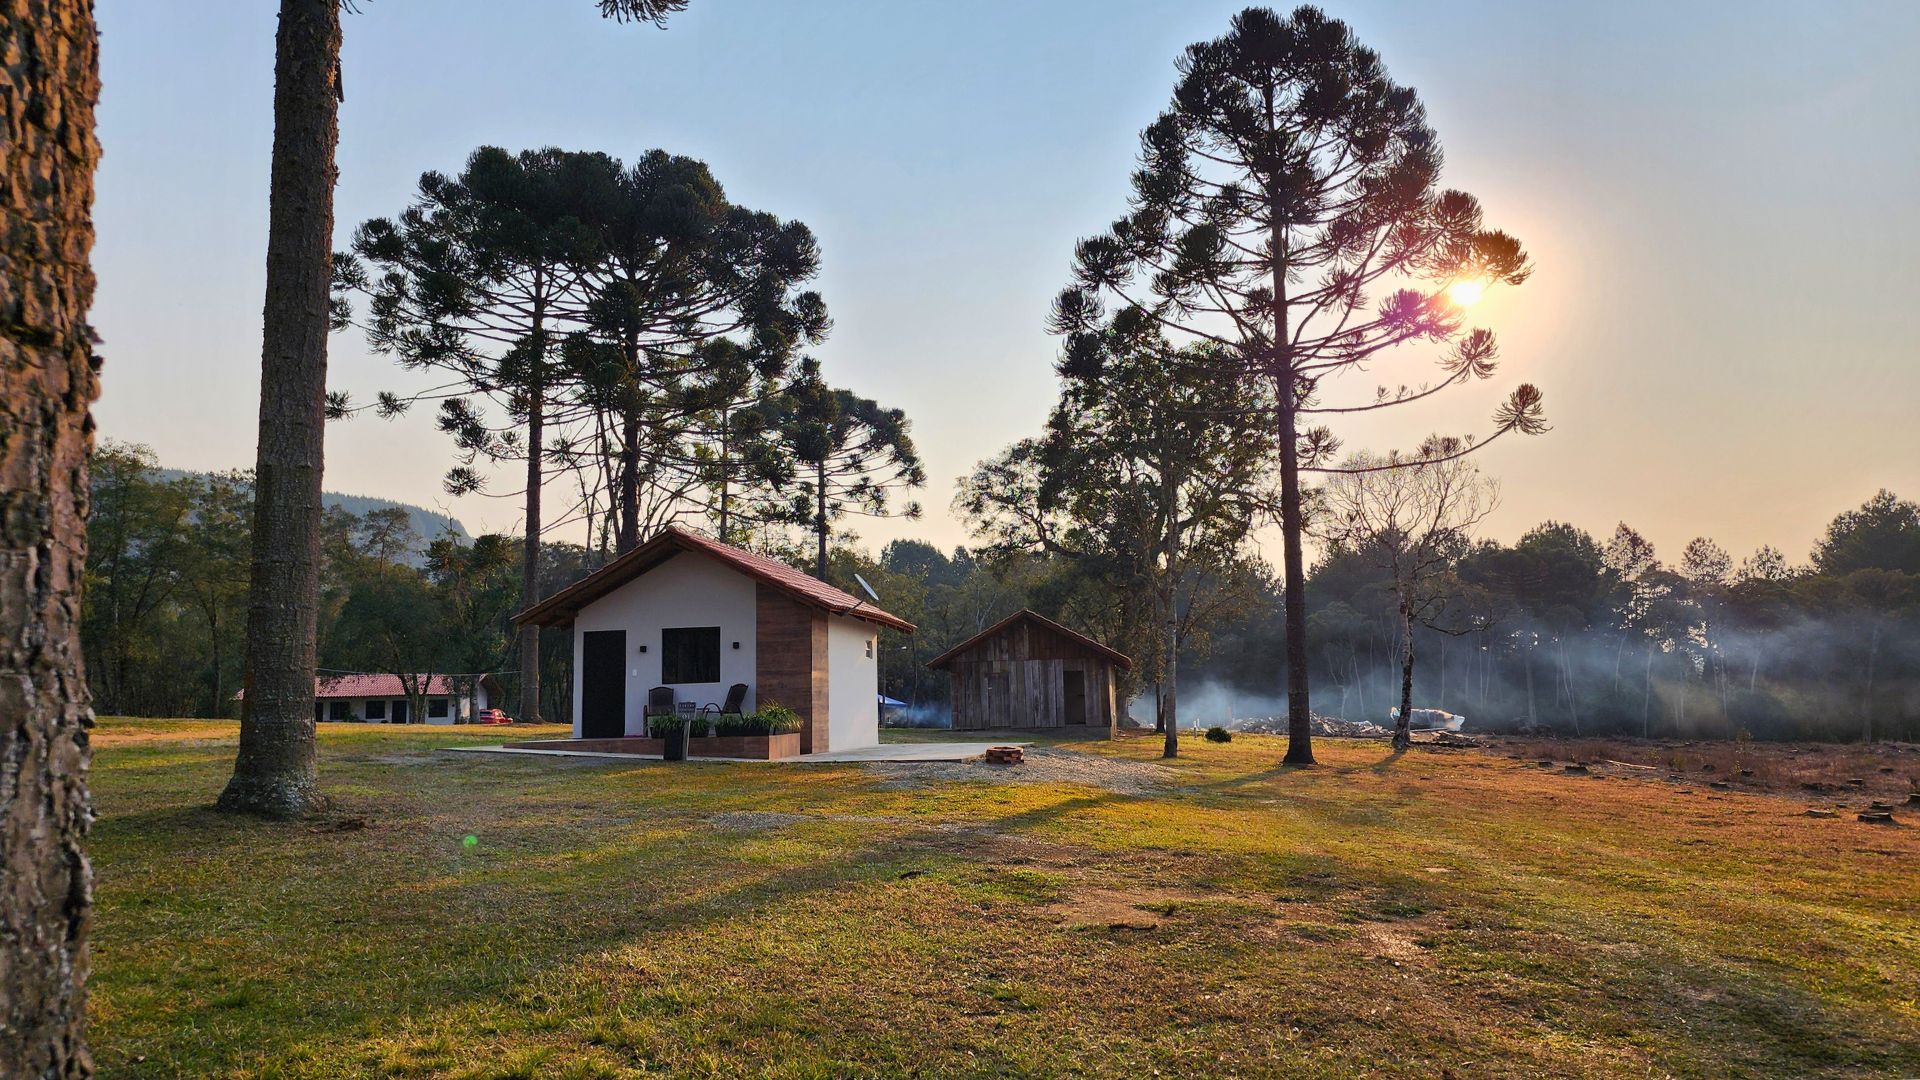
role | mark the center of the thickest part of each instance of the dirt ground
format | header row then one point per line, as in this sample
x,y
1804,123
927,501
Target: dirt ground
x,y
1043,765
1850,775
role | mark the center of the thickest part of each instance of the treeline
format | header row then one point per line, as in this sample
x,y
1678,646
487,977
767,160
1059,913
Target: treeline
x,y
166,596
1581,635
1559,630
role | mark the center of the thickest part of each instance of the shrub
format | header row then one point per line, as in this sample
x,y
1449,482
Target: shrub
x,y
778,719
1216,733
663,724
772,719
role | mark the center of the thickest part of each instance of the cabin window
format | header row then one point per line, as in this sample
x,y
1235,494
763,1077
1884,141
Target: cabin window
x,y
437,708
690,654
376,710
340,710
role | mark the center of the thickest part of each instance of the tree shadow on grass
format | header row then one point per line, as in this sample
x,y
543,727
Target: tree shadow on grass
x,y
274,934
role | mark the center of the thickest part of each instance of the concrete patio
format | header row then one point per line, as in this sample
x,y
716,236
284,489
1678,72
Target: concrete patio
x,y
895,752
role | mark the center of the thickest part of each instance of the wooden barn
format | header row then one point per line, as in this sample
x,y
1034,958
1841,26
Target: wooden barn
x,y
1027,671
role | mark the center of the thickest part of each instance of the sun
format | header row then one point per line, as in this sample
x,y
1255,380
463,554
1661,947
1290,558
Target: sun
x,y
1466,293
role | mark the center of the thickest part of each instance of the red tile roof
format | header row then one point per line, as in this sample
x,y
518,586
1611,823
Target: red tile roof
x,y
374,686
559,608
360,686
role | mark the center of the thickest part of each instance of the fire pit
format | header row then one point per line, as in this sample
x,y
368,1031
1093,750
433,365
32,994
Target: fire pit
x,y
1004,755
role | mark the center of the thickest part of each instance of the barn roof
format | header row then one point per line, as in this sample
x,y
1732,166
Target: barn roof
x,y
561,607
1028,615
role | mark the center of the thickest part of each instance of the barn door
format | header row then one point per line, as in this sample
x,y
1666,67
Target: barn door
x,y
1074,690
603,684
999,700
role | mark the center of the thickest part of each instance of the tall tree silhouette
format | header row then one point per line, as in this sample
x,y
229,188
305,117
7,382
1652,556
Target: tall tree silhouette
x,y
48,380
852,453
1160,467
683,283
473,280
1287,210
275,772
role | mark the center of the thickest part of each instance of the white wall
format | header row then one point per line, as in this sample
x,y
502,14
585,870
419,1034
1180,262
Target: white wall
x,y
853,684
687,590
358,707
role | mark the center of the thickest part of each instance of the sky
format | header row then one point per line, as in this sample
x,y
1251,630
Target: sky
x,y
1720,199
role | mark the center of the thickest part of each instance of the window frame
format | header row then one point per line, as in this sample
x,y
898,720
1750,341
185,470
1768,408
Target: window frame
x,y
687,645
376,709
439,708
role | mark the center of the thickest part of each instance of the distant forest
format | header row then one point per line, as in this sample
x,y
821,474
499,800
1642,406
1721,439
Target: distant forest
x,y
425,522
1560,630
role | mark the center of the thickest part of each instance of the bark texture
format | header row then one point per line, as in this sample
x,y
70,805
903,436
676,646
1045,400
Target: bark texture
x,y
275,773
536,478
49,81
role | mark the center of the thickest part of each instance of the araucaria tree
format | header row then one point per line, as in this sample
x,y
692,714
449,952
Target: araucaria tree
x,y
1287,211
850,454
275,772
1414,520
472,281
48,380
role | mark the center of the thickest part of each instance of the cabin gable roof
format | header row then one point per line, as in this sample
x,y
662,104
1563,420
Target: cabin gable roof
x,y
561,607
1031,619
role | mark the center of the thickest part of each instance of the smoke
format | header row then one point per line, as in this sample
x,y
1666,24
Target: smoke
x,y
917,716
1806,678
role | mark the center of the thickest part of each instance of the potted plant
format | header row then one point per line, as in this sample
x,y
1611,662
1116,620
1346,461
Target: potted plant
x,y
673,732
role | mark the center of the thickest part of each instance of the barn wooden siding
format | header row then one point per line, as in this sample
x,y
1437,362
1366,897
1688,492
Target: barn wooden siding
x,y
1016,679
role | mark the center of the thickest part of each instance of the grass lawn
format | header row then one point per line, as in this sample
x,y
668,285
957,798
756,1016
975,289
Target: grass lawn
x,y
1440,913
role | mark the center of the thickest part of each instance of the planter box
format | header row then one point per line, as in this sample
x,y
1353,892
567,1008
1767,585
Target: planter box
x,y
757,747
752,747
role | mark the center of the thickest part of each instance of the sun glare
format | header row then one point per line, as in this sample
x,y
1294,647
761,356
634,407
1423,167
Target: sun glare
x,y
1466,293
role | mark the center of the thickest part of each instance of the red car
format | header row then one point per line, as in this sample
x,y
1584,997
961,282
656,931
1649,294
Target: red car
x,y
492,716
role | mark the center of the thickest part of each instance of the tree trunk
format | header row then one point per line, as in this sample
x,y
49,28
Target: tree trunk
x,y
1646,700
1403,727
820,518
536,476
1873,654
1533,717
1566,677
726,477
1170,646
213,646
276,772
629,535
1292,520
48,378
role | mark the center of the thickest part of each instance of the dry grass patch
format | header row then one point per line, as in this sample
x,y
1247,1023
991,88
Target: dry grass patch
x,y
1388,915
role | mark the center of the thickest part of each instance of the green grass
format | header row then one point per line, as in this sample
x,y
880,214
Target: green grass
x,y
1379,915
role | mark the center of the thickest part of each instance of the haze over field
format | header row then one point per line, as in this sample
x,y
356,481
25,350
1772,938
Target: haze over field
x,y
1677,191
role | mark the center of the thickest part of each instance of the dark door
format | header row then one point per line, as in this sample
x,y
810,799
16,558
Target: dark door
x,y
399,711
1075,687
603,684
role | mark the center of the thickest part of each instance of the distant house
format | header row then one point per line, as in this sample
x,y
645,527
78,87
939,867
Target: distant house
x,y
382,699
1027,671
689,616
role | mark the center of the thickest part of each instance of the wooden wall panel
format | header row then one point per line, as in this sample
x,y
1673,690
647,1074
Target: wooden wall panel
x,y
1027,693
790,662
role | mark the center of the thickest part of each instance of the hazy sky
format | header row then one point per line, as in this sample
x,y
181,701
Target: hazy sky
x,y
1720,198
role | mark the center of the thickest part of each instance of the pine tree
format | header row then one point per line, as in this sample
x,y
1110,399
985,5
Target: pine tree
x,y
1287,211
48,380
